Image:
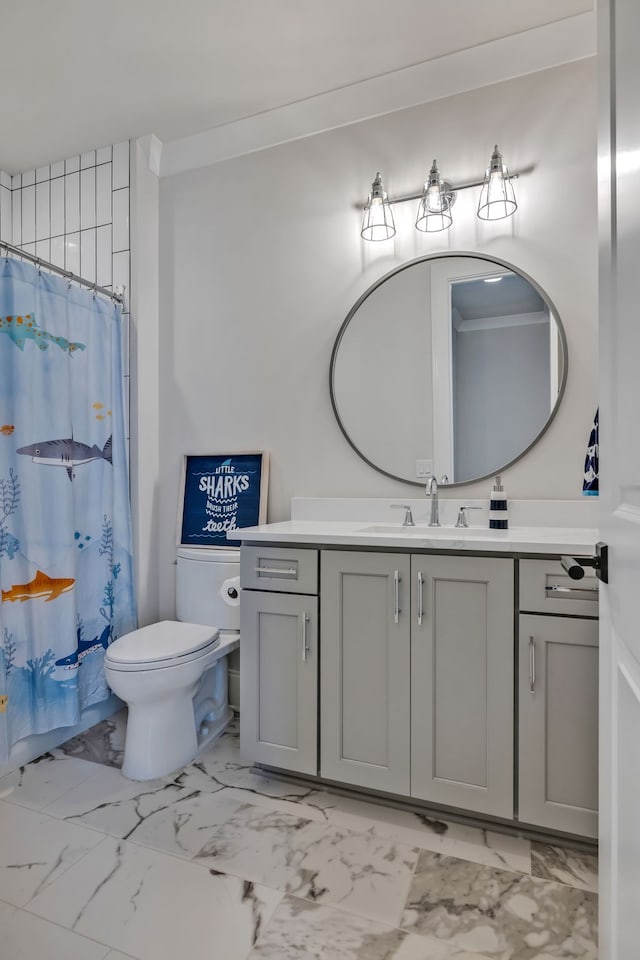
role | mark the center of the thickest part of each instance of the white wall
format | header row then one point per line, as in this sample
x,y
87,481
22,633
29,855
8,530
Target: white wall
x,y
261,259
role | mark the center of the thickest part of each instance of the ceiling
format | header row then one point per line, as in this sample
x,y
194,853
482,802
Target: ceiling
x,y
77,74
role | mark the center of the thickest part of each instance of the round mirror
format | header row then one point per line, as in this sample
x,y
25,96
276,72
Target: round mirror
x,y
453,365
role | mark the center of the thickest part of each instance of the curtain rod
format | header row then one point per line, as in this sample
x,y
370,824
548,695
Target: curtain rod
x,y
72,277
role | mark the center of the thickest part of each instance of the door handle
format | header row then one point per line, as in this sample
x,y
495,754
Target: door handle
x,y
574,566
420,597
305,645
532,664
396,596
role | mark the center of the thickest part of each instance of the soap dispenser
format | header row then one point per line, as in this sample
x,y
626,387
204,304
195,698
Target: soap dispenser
x,y
498,516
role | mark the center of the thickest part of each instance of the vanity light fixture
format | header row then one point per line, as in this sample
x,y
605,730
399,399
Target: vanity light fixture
x,y
434,212
377,223
497,200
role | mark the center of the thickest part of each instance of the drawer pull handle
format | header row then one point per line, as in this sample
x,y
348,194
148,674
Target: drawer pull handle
x,y
569,593
277,571
420,597
532,664
305,646
396,596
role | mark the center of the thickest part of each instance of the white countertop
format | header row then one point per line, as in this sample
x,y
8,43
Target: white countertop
x,y
359,533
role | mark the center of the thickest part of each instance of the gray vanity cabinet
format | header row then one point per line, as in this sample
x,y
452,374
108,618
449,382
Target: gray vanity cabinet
x,y
414,684
462,682
365,669
279,659
558,723
417,676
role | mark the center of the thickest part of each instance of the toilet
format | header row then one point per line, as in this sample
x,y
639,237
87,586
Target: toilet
x,y
173,675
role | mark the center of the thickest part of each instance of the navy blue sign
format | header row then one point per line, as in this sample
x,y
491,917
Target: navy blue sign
x,y
222,492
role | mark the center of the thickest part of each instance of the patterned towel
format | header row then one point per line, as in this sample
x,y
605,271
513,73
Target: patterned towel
x,y
592,463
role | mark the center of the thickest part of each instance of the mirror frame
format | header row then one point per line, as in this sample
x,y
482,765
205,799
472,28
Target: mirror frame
x,y
441,256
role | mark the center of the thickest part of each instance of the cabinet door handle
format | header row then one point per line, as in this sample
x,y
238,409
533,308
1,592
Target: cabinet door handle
x,y
396,596
571,593
277,571
420,597
532,664
305,646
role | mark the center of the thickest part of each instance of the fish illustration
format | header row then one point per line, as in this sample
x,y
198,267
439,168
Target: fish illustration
x,y
41,586
74,660
4,700
7,429
67,453
22,328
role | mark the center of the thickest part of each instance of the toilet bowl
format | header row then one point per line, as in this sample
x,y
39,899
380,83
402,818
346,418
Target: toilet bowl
x,y
173,674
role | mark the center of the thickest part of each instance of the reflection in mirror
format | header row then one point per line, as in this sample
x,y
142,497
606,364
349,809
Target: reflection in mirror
x,y
459,361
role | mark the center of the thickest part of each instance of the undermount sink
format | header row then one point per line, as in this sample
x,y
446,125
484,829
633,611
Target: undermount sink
x,y
425,532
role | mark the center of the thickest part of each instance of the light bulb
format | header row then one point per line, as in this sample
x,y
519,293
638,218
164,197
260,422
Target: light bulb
x,y
497,197
377,222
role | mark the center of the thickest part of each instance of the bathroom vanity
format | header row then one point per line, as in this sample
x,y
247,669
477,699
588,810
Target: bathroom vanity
x,y
452,668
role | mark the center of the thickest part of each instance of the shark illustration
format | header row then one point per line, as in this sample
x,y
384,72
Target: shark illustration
x,y
74,660
67,453
19,329
41,586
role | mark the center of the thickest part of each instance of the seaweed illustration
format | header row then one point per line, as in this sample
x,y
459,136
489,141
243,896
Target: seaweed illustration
x,y
41,668
9,500
10,649
108,596
106,541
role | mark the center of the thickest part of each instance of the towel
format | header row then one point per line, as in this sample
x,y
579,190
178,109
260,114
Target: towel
x,y
592,463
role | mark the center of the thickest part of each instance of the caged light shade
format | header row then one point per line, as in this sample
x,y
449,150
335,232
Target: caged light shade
x,y
377,222
497,196
434,212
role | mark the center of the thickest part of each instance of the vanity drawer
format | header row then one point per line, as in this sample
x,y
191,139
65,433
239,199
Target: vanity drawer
x,y
282,569
545,587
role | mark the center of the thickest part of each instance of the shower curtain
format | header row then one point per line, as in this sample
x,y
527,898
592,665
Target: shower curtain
x,y
65,522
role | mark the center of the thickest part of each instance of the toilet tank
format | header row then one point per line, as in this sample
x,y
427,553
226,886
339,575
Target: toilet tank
x,y
208,586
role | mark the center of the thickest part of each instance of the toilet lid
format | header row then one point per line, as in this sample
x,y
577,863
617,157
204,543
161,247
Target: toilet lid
x,y
166,640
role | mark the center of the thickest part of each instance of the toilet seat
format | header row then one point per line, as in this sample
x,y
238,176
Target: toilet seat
x,y
165,644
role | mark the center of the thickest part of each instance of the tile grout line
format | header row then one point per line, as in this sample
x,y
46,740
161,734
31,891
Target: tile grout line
x,y
74,933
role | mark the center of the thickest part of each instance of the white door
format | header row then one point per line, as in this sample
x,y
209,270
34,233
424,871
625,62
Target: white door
x,y
619,196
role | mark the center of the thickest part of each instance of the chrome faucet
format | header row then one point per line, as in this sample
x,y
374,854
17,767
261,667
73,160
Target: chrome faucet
x,y
432,492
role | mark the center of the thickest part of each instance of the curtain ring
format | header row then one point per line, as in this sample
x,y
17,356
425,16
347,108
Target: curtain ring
x,y
39,266
95,290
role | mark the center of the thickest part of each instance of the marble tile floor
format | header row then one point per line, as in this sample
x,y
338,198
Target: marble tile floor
x,y
218,861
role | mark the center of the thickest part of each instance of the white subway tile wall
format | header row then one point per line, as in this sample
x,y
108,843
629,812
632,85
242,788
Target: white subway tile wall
x,y
75,214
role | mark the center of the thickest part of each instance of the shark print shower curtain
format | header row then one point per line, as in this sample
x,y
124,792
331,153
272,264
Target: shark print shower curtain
x,y
65,522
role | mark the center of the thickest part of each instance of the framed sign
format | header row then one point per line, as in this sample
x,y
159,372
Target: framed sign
x,y
221,492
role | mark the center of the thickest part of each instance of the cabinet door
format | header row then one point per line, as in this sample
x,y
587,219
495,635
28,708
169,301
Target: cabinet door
x,y
278,680
365,669
462,651
558,694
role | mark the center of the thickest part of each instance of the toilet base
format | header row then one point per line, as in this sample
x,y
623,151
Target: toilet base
x,y
166,733
160,738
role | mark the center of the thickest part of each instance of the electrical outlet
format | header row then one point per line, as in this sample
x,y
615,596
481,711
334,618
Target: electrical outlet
x,y
424,468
